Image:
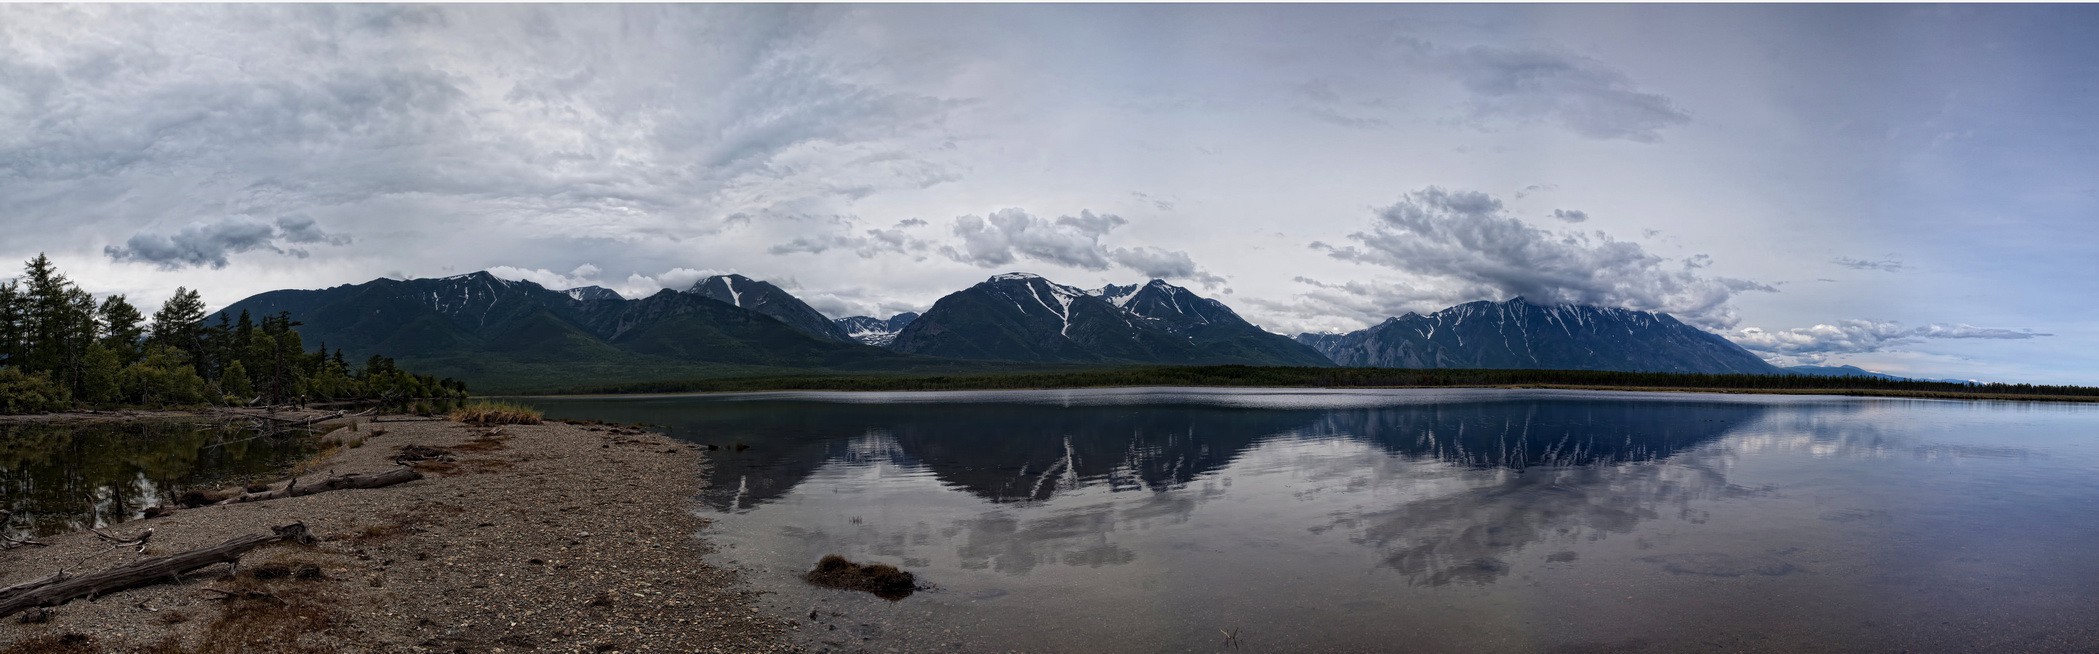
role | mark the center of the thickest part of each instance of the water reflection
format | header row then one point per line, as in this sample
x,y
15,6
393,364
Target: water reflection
x,y
1008,452
57,478
1349,521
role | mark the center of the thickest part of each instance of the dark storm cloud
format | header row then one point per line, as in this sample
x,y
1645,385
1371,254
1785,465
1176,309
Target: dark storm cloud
x,y
1008,235
1467,241
1534,84
302,229
1570,215
209,244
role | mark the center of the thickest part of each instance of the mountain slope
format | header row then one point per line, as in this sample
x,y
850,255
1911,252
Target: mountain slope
x,y
874,331
1213,327
1023,317
1518,334
765,298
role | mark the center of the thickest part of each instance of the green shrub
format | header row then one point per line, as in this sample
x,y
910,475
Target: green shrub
x,y
30,393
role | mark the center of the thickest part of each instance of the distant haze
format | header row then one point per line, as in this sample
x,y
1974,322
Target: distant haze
x,y
1907,189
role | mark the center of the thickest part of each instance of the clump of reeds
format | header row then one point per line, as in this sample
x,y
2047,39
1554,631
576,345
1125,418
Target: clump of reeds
x,y
487,414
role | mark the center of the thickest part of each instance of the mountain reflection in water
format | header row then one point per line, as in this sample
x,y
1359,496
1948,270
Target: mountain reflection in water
x,y
1556,456
1451,520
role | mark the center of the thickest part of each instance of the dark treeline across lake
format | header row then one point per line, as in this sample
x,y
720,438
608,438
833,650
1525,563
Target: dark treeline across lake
x,y
1289,377
1446,520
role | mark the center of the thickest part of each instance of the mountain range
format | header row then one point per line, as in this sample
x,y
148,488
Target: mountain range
x,y
512,336
1519,334
1024,317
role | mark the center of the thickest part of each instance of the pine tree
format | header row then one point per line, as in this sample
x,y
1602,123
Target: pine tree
x,y
179,324
44,316
12,308
123,328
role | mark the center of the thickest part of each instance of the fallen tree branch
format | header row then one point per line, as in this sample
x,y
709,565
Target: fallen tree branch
x,y
32,584
138,541
399,475
146,571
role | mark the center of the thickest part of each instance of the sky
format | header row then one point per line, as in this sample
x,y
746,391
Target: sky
x,y
1908,189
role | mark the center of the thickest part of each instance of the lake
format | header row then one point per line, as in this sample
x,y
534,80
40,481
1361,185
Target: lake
x,y
67,477
1176,520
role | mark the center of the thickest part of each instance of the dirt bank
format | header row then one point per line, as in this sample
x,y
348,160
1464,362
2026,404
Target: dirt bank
x,y
539,538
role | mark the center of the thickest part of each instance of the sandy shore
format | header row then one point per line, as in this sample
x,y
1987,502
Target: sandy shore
x,y
554,537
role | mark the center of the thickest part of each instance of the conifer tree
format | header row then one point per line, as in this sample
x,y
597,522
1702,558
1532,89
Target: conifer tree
x,y
123,328
179,323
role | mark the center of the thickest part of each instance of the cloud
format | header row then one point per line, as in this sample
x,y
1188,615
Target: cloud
x,y
1008,235
1347,306
1884,265
1570,215
544,277
1324,102
1162,204
208,244
1163,264
1579,93
643,125
867,244
1817,343
1465,243
302,229
636,285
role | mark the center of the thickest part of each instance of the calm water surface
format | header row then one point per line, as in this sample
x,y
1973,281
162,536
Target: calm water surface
x,y
60,478
1413,520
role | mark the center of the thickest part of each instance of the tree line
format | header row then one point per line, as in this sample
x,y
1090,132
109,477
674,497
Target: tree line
x,y
1259,376
61,347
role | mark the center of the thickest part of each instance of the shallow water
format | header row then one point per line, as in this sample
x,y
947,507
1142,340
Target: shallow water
x,y
1420,520
60,478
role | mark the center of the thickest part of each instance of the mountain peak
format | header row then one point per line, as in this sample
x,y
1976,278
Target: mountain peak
x,y
590,293
478,275
763,297
1013,277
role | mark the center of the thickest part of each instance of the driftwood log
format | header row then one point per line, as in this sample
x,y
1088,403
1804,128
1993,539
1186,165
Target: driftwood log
x,y
399,475
58,588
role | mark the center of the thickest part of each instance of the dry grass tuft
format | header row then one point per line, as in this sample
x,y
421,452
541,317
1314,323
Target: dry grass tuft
x,y
489,414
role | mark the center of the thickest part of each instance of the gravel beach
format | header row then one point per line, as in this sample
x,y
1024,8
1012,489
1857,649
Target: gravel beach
x,y
555,537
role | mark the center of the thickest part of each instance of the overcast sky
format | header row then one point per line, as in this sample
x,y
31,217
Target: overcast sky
x,y
1905,188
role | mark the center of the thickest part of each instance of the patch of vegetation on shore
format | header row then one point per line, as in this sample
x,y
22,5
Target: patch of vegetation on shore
x,y
1283,377
485,413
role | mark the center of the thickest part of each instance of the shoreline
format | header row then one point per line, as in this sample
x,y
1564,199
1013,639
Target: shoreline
x,y
1857,392
561,537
